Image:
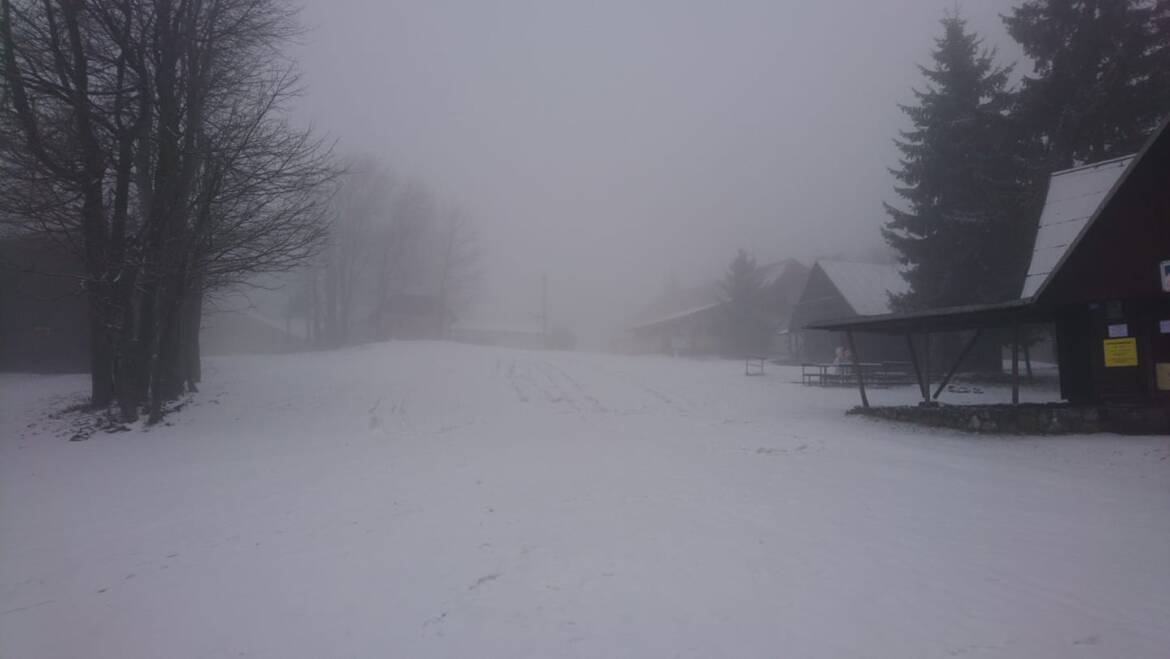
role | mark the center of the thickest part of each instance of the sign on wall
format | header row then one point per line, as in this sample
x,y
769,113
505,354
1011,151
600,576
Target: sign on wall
x,y
1121,353
1163,371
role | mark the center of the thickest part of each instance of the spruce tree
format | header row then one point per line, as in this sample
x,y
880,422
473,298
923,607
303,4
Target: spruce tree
x,y
962,231
1102,76
746,328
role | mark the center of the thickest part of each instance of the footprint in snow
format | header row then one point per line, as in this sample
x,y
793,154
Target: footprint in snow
x,y
781,451
484,579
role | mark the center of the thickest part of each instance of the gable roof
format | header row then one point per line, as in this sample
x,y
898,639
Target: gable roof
x,y
866,287
1074,197
678,315
700,299
770,273
678,304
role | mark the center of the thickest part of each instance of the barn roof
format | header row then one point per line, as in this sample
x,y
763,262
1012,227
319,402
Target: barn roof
x,y
1074,196
865,286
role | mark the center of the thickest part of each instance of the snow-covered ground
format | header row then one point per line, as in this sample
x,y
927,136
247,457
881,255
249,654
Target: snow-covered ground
x,y
437,500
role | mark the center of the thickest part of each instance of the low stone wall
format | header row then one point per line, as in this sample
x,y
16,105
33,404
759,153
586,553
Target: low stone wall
x,y
1030,419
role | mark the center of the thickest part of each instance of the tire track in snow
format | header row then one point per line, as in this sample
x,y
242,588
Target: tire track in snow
x,y
576,387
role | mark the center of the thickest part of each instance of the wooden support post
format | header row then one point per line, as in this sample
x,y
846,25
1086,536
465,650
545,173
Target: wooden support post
x,y
922,388
1027,358
926,364
1016,364
857,369
958,362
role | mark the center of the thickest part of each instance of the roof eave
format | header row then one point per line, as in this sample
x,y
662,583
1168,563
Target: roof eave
x,y
958,318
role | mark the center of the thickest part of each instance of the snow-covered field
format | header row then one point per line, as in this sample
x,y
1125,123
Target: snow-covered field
x,y
437,500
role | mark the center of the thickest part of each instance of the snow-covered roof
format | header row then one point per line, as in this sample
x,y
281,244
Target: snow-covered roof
x,y
771,272
1074,195
865,286
677,315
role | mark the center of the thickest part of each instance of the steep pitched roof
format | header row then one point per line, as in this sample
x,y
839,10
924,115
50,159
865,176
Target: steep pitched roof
x,y
1074,196
771,272
865,286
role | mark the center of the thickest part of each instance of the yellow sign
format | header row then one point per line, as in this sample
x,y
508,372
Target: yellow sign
x,y
1121,352
1163,371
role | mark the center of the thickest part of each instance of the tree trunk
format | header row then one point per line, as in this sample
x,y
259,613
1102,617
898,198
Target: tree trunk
x,y
101,353
166,383
128,378
192,319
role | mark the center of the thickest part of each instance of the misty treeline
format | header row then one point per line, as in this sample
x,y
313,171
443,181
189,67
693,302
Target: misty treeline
x,y
150,139
983,141
395,251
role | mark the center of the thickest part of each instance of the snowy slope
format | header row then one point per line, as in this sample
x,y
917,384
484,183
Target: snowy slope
x,y
434,500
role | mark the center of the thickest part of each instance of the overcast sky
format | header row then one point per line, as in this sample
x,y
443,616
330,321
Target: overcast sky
x,y
609,143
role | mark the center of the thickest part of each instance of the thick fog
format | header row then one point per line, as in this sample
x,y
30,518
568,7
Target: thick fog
x,y
612,145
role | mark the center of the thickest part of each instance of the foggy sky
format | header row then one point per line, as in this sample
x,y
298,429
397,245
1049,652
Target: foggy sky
x,y
611,143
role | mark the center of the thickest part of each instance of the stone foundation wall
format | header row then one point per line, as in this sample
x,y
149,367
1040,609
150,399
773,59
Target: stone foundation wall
x,y
1050,419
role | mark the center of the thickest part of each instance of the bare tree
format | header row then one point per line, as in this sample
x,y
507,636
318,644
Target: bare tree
x,y
377,247
459,264
70,118
148,137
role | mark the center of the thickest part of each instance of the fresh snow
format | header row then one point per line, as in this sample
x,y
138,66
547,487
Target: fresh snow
x,y
438,500
1074,196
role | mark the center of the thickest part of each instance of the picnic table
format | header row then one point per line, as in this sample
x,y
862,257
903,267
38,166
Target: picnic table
x,y
830,375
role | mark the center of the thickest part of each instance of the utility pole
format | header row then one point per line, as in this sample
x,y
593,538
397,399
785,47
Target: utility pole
x,y
544,308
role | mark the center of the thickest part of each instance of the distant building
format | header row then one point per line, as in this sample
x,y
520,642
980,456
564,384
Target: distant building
x,y
246,331
683,322
503,335
845,289
44,320
784,282
689,321
411,316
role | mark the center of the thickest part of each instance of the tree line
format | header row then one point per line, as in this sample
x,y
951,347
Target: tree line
x,y
393,243
150,138
974,164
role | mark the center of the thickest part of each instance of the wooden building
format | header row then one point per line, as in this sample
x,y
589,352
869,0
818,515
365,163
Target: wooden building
x,y
411,316
692,321
837,290
515,335
1099,274
44,320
